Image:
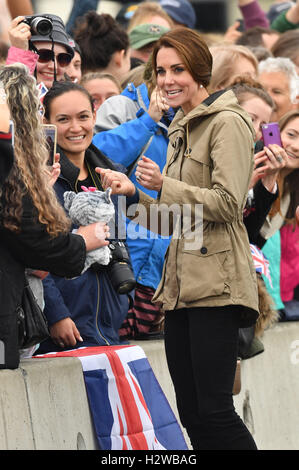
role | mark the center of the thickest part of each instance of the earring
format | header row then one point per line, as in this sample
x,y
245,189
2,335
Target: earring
x,y
200,86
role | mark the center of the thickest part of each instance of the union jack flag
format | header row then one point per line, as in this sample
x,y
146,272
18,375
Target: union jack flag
x,y
42,90
260,262
129,408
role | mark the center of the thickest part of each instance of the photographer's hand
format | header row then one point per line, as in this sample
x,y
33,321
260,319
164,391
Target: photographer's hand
x,y
19,33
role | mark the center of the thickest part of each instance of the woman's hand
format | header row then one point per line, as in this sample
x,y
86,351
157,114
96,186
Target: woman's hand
x,y
276,160
117,181
55,170
267,165
65,333
259,168
158,105
94,235
19,33
148,174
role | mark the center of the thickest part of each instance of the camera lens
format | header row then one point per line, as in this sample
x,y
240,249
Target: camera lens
x,y
41,26
121,277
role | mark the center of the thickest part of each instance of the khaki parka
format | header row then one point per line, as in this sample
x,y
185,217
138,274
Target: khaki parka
x,y
209,166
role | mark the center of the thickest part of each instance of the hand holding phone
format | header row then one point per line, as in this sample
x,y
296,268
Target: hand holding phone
x,y
51,136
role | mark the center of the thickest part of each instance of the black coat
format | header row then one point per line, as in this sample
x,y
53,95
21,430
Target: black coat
x,y
256,212
32,248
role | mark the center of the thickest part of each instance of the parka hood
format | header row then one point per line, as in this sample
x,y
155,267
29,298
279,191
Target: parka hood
x,y
224,100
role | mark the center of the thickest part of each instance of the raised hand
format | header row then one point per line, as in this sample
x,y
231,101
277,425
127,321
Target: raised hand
x,y
19,33
148,174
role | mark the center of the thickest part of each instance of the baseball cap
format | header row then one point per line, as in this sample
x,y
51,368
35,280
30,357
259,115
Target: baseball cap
x,y
145,33
181,11
277,9
58,34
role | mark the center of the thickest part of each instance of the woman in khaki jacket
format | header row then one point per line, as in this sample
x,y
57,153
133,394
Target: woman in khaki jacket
x,y
208,287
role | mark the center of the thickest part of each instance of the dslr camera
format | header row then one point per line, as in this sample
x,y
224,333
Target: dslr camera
x,y
39,25
119,269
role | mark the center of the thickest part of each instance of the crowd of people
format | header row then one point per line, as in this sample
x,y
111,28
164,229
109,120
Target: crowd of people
x,y
148,107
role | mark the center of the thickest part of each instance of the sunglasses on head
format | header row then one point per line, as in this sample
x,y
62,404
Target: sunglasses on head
x,y
46,55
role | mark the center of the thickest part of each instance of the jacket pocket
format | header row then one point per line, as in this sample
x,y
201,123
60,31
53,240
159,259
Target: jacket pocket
x,y
196,168
206,272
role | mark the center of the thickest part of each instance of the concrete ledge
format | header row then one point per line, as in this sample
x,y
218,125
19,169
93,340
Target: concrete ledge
x,y
43,404
268,401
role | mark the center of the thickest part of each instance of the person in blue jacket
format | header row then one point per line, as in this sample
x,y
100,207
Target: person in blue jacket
x,y
85,310
130,125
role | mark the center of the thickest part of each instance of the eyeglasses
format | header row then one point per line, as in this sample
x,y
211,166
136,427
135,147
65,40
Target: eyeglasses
x,y
45,55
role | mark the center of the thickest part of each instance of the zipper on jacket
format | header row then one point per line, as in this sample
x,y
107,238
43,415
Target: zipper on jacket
x,y
97,312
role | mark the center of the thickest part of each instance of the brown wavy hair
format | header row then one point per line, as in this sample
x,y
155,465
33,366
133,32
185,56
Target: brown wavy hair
x,y
191,48
30,172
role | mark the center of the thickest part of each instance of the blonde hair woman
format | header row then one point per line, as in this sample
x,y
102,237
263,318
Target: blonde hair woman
x,y
30,168
150,12
229,61
33,226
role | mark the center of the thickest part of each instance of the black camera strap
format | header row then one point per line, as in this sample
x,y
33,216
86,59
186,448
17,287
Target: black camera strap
x,y
55,72
34,49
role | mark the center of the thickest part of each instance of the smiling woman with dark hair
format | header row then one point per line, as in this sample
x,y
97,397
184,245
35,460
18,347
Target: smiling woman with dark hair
x,y
87,307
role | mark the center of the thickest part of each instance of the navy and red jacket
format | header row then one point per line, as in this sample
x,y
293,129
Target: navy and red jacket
x,y
89,300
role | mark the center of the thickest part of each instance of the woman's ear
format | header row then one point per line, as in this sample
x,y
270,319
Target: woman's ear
x,y
119,57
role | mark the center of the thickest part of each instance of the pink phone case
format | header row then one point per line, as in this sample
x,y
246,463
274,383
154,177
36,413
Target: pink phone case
x,y
271,134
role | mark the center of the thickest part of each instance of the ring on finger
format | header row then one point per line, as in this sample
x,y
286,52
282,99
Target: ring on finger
x,y
279,158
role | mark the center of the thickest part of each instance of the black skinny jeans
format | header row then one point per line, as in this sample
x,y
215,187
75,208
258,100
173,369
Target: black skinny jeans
x,y
201,349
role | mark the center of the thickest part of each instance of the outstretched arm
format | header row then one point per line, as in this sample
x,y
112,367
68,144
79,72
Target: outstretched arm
x,y
253,14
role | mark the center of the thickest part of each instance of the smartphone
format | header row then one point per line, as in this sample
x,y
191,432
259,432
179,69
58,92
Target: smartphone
x,y
51,136
12,132
271,134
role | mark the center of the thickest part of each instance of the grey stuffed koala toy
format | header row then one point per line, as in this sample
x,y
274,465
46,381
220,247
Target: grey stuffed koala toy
x,y
87,207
